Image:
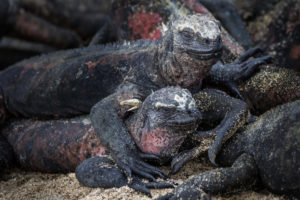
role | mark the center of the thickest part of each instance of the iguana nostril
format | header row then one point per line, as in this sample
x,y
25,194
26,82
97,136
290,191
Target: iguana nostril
x,y
206,41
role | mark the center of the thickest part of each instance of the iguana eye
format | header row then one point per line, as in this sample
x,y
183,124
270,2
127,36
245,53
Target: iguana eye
x,y
187,33
206,41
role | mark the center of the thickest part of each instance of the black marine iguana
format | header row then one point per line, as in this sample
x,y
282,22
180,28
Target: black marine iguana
x,y
266,152
163,121
70,83
59,146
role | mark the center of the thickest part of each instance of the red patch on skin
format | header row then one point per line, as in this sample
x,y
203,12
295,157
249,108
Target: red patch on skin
x,y
295,52
145,25
199,8
158,141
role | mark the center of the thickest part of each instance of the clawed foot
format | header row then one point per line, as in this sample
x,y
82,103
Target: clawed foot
x,y
182,158
247,67
144,170
142,187
230,75
101,171
131,163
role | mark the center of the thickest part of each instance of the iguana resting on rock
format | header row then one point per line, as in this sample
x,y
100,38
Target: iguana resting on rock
x,y
266,152
70,83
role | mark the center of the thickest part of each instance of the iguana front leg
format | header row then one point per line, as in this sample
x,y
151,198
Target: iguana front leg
x,y
101,171
214,106
112,132
242,174
229,75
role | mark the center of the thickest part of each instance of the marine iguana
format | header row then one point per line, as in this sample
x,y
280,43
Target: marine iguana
x,y
70,83
58,146
266,152
166,118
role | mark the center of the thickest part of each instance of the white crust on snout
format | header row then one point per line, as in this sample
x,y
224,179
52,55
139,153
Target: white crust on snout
x,y
182,101
163,105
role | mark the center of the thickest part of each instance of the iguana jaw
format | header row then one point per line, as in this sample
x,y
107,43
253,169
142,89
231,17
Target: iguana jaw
x,y
199,55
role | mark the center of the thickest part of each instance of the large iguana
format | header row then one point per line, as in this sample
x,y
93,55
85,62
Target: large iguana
x,y
96,79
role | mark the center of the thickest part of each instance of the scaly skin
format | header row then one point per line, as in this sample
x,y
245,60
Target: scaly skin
x,y
266,152
69,83
222,116
159,127
150,65
74,140
139,19
269,87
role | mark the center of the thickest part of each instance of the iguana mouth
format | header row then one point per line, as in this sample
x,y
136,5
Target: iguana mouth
x,y
184,122
205,55
183,125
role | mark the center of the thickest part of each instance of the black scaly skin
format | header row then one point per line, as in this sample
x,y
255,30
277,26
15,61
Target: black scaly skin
x,y
266,152
269,87
232,113
239,70
216,107
74,140
158,127
69,83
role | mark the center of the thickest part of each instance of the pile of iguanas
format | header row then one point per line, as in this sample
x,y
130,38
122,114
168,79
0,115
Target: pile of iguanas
x,y
108,109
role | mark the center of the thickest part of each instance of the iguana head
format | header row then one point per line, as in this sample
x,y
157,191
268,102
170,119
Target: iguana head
x,y
164,120
192,44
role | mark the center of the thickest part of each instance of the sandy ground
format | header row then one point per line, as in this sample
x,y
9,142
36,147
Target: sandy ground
x,y
21,185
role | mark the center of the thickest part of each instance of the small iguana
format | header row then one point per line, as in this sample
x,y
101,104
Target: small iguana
x,y
163,121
